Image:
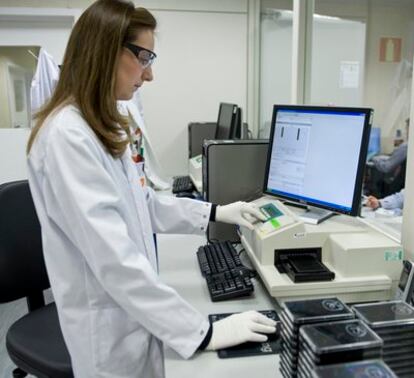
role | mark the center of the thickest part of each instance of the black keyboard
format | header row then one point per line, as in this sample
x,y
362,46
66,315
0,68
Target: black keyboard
x,y
225,274
182,184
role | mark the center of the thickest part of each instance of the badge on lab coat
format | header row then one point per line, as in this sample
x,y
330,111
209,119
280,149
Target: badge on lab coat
x,y
138,154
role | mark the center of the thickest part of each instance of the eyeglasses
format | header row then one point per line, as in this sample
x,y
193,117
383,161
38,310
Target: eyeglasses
x,y
145,57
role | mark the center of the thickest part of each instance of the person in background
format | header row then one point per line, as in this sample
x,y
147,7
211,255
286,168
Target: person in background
x,y
393,202
98,222
390,163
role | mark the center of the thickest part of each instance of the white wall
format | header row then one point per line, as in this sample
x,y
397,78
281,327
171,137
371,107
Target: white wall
x,y
51,34
12,154
386,20
199,64
223,77
27,29
336,41
275,64
15,56
331,46
202,60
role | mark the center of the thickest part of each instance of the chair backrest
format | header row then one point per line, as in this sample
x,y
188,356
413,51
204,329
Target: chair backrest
x,y
22,267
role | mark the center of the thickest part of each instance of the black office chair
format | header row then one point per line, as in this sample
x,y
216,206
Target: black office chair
x,y
34,342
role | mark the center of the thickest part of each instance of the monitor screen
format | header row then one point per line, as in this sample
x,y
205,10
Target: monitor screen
x,y
226,120
317,156
374,146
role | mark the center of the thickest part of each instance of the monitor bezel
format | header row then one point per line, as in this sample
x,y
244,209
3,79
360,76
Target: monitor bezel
x,y
354,211
234,106
236,125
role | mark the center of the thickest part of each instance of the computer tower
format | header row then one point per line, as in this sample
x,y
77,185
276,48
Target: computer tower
x,y
197,133
233,170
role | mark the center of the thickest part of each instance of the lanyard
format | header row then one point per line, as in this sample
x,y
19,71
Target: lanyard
x,y
137,151
136,145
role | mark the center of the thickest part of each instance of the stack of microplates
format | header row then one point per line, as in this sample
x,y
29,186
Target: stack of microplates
x,y
299,313
394,323
335,342
360,369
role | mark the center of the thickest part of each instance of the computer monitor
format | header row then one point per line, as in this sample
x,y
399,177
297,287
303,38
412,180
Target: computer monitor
x,y
226,120
374,145
236,129
317,157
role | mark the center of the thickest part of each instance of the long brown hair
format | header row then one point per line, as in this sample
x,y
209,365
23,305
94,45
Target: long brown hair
x,y
88,73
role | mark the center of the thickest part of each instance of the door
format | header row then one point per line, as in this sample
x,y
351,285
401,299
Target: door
x,y
18,96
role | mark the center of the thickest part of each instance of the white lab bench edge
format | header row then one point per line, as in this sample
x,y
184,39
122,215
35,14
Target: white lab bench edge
x,y
179,269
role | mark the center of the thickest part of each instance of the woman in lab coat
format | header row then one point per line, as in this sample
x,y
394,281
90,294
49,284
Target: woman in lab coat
x,y
98,222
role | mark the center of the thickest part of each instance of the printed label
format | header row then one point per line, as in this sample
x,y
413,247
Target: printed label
x,y
393,255
299,235
355,330
275,223
332,305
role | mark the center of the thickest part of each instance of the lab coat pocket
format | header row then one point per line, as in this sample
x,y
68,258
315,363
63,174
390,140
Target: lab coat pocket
x,y
117,340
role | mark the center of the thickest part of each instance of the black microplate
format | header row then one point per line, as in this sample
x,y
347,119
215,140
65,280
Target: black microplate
x,y
292,341
341,356
287,323
271,346
395,333
400,372
401,364
286,372
303,361
302,371
288,363
399,358
288,352
316,310
293,348
292,332
401,349
360,369
396,347
385,314
339,336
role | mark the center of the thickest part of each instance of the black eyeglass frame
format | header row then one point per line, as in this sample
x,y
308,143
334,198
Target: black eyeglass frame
x,y
135,49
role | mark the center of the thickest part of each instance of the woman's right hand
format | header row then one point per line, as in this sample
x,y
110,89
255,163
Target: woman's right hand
x,y
373,202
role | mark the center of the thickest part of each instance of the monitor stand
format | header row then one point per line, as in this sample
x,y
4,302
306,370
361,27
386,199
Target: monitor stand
x,y
314,215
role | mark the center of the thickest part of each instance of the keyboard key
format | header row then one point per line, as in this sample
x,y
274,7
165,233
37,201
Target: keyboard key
x,y
182,184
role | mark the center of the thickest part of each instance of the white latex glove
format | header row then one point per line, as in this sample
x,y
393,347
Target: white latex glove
x,y
240,328
237,213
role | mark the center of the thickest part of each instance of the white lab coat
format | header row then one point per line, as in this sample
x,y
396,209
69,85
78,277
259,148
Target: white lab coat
x,y
394,202
97,231
44,80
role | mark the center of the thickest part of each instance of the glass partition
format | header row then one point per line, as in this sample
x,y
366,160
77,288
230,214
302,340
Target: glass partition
x,y
275,59
17,67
